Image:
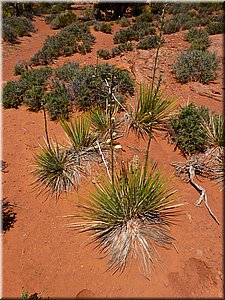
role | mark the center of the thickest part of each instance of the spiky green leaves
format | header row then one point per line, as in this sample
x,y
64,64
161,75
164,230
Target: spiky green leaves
x,y
78,133
56,170
151,113
129,220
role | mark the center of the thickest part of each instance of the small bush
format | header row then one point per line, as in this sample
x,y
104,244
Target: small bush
x,y
34,98
171,26
88,88
198,38
215,27
121,48
196,65
63,20
14,27
57,102
74,38
186,130
144,17
150,42
67,71
105,54
106,28
20,67
13,94
124,22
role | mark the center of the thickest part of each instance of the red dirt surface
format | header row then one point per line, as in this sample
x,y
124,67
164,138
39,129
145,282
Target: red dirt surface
x,y
41,255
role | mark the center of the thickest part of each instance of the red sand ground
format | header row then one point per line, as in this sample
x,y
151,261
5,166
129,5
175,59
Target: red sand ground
x,y
41,255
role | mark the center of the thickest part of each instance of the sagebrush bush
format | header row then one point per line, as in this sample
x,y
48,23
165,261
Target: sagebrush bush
x,y
88,87
149,42
14,27
124,22
13,94
121,48
106,28
105,54
57,102
215,27
198,38
20,67
62,20
67,71
135,32
196,65
28,89
71,39
186,130
33,98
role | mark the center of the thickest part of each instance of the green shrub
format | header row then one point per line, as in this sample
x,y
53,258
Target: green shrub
x,y
106,28
121,48
13,94
196,65
14,27
149,42
134,32
124,22
57,102
67,71
144,17
63,20
20,67
215,27
105,54
36,77
34,98
186,130
72,39
171,26
198,38
88,88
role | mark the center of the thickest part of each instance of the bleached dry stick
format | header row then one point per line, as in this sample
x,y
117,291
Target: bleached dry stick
x,y
103,158
202,191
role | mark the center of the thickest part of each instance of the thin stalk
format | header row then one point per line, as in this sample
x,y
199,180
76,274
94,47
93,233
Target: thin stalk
x,y
155,93
111,127
157,50
46,127
147,152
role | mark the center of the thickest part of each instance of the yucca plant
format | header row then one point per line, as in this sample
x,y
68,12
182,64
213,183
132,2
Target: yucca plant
x,y
78,133
56,170
215,130
150,114
130,219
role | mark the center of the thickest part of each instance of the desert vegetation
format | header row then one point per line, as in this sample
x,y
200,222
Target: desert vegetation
x,y
132,205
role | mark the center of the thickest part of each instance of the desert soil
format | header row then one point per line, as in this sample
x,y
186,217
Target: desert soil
x,y
40,254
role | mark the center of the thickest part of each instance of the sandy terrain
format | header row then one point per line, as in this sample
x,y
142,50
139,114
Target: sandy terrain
x,y
41,255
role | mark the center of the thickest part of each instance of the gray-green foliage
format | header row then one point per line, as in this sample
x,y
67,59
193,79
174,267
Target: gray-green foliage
x,y
196,65
198,38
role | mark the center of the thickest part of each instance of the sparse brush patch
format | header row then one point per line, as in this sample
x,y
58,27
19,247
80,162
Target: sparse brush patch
x,y
196,65
106,27
186,130
130,220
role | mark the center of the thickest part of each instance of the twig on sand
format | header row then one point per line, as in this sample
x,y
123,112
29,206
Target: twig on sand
x,y
202,191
